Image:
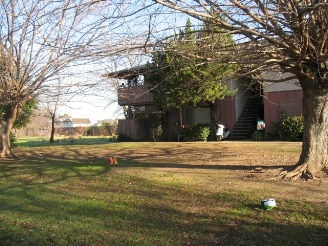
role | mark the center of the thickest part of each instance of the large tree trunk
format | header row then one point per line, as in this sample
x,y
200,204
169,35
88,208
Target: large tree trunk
x,y
5,143
5,129
314,155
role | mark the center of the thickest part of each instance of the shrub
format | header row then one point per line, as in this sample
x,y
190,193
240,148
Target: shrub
x,y
258,136
152,124
155,124
275,133
199,132
291,128
124,138
113,138
12,139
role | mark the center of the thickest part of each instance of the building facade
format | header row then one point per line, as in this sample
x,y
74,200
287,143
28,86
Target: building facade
x,y
240,113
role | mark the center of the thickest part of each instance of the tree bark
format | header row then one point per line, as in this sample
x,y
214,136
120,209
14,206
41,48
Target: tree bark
x,y
5,129
214,107
314,155
52,134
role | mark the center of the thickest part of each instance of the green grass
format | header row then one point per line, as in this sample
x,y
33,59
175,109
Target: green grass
x,y
44,141
58,200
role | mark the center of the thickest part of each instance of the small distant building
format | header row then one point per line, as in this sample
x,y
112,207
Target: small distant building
x,y
63,123
72,122
83,122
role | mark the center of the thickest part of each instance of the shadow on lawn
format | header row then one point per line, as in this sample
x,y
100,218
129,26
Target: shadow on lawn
x,y
70,158
71,195
144,212
124,164
41,165
91,158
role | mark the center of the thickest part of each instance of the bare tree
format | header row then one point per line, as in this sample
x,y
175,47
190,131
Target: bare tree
x,y
51,104
40,40
291,35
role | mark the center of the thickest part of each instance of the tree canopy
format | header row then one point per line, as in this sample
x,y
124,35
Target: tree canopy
x,y
179,80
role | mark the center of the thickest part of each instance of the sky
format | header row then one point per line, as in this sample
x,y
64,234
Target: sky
x,y
95,111
95,108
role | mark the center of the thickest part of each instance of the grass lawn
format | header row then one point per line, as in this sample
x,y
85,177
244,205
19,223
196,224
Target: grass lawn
x,y
204,193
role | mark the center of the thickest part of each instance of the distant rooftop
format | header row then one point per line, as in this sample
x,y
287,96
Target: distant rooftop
x,y
81,121
125,73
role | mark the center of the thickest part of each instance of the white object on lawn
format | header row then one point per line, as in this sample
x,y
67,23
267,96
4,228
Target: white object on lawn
x,y
222,132
268,203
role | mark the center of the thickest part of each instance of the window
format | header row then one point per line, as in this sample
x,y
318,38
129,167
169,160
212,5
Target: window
x,y
198,115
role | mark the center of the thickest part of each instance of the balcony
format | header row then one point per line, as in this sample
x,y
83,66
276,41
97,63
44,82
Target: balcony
x,y
135,95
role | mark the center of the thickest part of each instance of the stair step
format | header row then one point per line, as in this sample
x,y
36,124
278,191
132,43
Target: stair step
x,y
243,126
246,118
237,137
247,115
245,123
240,133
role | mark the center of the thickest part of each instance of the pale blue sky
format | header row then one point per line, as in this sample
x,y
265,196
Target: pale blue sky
x,y
94,113
103,105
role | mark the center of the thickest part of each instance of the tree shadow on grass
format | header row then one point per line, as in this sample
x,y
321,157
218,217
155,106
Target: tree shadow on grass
x,y
39,166
74,159
128,163
144,212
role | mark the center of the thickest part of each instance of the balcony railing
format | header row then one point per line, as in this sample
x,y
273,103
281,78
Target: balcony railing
x,y
135,95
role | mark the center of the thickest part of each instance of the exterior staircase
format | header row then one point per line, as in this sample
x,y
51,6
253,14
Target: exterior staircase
x,y
247,121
